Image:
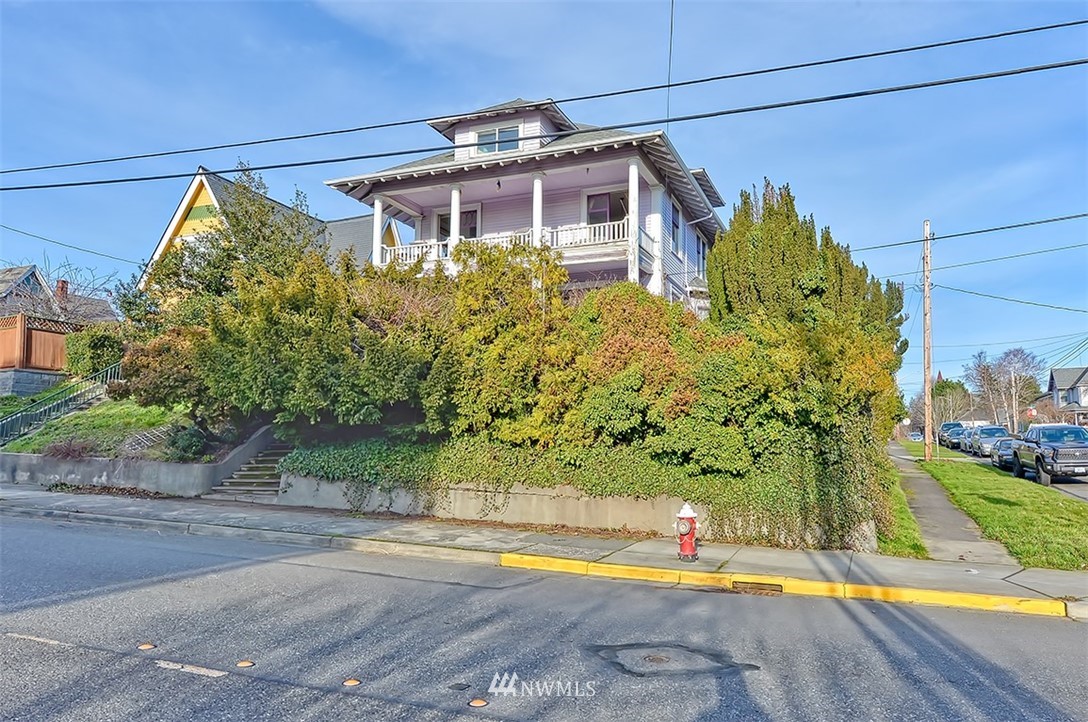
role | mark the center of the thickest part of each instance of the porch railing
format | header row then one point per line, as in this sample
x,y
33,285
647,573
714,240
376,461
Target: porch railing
x,y
574,235
581,234
69,398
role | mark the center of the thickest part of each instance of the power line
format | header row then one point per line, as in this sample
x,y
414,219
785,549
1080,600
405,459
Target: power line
x,y
1007,343
69,245
1072,354
992,260
970,233
1011,300
579,131
573,99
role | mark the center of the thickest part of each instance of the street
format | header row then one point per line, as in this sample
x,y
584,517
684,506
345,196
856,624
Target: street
x,y
78,600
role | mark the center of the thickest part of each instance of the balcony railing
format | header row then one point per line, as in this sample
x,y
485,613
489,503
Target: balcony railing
x,y
574,235
581,234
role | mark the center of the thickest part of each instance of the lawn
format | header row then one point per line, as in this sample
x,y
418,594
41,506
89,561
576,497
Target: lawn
x,y
11,403
904,539
1039,526
105,426
917,449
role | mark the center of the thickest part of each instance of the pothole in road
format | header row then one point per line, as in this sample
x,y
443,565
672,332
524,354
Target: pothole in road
x,y
650,660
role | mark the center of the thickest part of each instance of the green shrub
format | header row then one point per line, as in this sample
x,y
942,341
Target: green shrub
x,y
93,349
185,443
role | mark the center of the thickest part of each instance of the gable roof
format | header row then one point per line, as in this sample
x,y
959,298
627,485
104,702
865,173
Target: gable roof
x,y
1067,378
220,189
44,303
446,126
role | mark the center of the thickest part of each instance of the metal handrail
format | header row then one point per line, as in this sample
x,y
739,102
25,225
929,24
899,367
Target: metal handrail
x,y
59,403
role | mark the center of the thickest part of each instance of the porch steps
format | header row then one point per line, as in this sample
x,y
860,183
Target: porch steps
x,y
257,482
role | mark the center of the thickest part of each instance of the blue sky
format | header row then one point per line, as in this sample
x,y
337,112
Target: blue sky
x,y
88,80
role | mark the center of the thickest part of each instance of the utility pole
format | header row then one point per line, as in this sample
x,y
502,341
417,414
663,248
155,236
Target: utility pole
x,y
927,348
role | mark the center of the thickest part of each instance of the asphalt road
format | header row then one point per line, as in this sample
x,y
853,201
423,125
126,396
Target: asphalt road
x,y
424,638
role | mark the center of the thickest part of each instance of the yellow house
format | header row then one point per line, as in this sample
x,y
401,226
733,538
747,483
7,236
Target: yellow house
x,y
198,212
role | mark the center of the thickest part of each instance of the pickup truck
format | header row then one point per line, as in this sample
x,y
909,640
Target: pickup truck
x,y
1051,450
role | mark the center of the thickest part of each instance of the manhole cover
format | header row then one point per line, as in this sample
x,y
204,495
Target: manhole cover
x,y
645,660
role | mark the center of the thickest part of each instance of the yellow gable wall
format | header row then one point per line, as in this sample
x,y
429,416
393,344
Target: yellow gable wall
x,y
200,216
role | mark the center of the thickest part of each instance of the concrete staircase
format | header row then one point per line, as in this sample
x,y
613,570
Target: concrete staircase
x,y
257,481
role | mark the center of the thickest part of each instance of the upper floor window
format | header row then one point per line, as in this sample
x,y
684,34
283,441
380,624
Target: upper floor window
x,y
498,139
700,257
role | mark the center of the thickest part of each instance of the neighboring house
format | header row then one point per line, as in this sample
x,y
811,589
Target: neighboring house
x,y
1068,390
34,322
198,212
523,171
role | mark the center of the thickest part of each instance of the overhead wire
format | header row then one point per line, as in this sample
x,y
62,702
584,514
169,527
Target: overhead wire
x,y
571,99
577,131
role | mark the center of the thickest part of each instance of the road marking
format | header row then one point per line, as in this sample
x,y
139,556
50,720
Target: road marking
x,y
43,640
190,668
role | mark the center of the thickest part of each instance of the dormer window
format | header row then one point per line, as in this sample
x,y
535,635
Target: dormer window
x,y
498,140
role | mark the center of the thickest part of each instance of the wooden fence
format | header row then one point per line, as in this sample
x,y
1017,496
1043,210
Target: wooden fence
x,y
29,342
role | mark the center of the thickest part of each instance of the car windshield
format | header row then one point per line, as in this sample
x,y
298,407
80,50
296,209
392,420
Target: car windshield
x,y
955,432
1070,434
994,431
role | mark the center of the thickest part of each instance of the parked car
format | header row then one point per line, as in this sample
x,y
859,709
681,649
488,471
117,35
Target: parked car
x,y
917,436
983,441
1051,450
954,437
1001,453
946,427
967,441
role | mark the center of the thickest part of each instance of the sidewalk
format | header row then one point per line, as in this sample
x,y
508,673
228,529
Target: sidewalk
x,y
842,575
948,533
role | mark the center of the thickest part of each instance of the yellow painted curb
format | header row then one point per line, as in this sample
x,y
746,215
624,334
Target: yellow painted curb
x,y
789,585
548,564
627,571
960,600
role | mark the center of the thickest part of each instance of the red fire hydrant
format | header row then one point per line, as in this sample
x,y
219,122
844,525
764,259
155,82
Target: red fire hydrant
x,y
685,533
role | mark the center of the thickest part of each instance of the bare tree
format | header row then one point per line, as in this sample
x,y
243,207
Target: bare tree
x,y
982,378
1017,374
71,292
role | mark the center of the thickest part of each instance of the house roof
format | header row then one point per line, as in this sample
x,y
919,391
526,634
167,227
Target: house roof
x,y
355,234
1067,378
580,138
43,303
446,126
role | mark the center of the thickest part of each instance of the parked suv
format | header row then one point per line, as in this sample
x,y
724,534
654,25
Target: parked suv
x,y
1051,450
983,441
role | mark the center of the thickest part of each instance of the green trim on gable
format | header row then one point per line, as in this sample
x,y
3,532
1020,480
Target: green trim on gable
x,y
201,213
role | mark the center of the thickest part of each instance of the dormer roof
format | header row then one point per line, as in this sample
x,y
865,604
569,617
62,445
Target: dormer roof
x,y
447,126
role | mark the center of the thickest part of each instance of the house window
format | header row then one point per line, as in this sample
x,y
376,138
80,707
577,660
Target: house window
x,y
700,257
677,239
469,225
497,139
606,207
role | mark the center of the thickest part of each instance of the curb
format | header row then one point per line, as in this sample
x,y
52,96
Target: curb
x,y
732,581
770,583
357,544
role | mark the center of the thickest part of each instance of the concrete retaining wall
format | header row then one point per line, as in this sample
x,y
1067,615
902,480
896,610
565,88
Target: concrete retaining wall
x,y
160,476
522,505
559,505
27,382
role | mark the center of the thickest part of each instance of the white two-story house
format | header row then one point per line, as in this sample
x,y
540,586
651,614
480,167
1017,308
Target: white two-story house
x,y
618,205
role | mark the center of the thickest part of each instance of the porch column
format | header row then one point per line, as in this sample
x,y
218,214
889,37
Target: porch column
x,y
376,231
657,279
538,209
632,219
455,217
